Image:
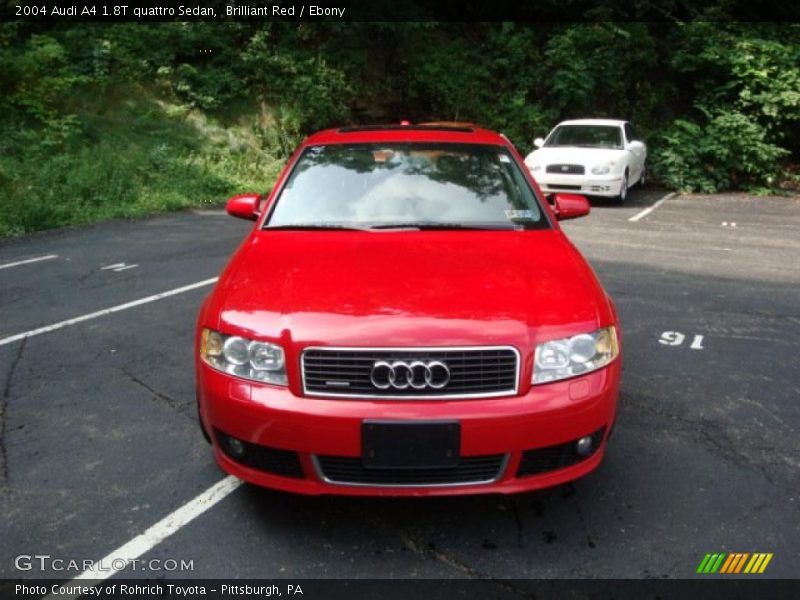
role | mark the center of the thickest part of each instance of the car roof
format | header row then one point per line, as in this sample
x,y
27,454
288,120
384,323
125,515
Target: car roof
x,y
450,132
615,122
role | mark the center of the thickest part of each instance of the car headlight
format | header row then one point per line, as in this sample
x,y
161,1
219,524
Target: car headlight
x,y
602,169
576,355
259,361
535,168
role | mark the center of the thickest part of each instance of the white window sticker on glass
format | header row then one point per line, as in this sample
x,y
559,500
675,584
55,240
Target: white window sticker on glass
x,y
503,158
520,215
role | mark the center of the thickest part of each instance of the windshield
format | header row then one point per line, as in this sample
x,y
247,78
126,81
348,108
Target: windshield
x,y
406,185
586,136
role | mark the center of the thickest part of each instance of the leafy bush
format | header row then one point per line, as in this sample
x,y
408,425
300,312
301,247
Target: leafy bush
x,y
36,78
746,118
307,93
731,151
603,69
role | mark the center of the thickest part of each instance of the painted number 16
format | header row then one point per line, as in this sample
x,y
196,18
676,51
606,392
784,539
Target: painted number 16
x,y
676,338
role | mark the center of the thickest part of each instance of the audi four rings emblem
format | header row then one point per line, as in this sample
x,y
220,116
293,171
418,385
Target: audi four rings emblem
x,y
417,374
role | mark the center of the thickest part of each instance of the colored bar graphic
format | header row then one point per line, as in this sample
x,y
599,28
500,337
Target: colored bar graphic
x,y
715,568
741,562
734,563
703,563
757,557
765,563
728,564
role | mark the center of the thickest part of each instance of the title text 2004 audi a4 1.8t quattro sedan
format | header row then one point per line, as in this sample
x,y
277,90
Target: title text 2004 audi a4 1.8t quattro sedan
x,y
407,318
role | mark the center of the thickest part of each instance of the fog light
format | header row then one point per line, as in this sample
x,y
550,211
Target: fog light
x,y
584,446
235,447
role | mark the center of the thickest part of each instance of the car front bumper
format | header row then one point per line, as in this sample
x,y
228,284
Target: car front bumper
x,y
521,431
592,185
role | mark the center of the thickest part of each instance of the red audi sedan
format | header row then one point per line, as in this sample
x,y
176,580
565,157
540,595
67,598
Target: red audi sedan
x,y
407,318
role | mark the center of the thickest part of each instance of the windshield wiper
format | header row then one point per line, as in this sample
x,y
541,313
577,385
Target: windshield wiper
x,y
314,227
421,226
436,226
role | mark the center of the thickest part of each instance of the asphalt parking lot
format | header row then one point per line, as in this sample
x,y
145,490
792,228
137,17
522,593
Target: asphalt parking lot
x,y
100,439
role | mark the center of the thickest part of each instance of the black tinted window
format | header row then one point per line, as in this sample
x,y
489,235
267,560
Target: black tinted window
x,y
380,185
586,136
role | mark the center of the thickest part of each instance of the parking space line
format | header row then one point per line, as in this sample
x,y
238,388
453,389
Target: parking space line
x,y
106,311
27,261
117,267
649,209
119,559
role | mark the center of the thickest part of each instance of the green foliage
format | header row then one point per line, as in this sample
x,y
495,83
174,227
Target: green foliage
x,y
117,120
140,158
730,151
603,69
36,77
745,81
482,73
306,90
755,69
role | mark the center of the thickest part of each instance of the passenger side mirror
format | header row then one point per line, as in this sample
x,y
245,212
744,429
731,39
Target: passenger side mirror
x,y
635,145
538,142
570,206
245,206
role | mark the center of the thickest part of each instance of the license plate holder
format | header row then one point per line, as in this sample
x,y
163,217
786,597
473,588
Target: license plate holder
x,y
412,445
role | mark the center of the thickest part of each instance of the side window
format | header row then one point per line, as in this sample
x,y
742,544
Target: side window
x,y
629,133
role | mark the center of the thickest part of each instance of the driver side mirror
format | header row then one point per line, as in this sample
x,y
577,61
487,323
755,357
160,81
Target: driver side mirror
x,y
245,206
570,206
538,142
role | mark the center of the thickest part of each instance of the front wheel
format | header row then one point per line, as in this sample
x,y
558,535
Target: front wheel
x,y
623,190
642,177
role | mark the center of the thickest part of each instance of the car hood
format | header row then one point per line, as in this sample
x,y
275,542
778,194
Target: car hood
x,y
572,155
408,288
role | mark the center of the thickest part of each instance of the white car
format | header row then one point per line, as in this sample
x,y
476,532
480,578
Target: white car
x,y
597,157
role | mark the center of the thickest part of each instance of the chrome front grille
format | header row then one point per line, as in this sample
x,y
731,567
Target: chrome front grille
x,y
566,169
474,372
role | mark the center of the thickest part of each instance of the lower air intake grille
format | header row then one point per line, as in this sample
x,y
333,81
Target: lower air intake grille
x,y
550,458
470,470
270,460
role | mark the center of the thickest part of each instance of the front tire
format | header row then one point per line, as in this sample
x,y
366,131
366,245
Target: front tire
x,y
642,177
623,190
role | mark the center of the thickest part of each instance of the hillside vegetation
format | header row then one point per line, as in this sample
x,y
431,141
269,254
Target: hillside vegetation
x,y
101,121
